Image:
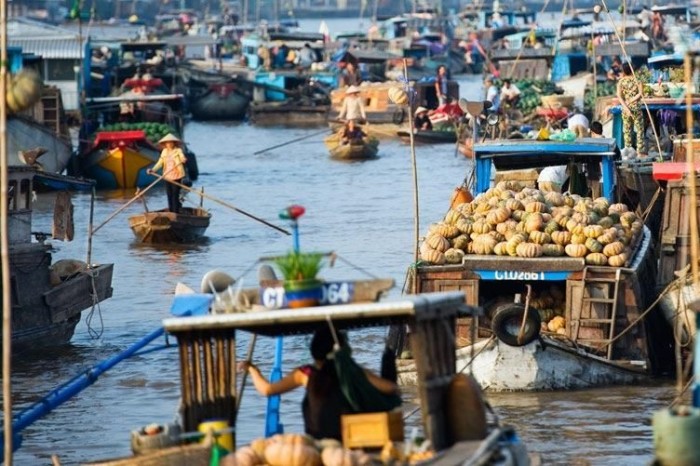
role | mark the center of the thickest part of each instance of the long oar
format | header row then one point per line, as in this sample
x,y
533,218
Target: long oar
x,y
290,142
230,206
244,376
131,201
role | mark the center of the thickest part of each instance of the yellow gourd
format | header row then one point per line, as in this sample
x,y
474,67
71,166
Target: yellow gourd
x,y
552,250
244,456
291,454
433,256
540,237
533,222
23,90
258,446
575,250
460,242
481,226
596,258
554,198
536,206
453,216
606,222
514,204
338,456
593,231
398,95
556,323
437,242
578,238
607,238
501,249
454,256
618,260
529,250
484,244
613,249
498,215
446,230
464,225
618,208
561,237
593,245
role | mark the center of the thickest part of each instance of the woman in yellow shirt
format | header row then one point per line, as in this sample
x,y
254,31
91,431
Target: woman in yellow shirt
x,y
172,160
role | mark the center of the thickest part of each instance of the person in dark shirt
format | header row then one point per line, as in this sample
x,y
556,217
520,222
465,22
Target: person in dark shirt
x,y
352,134
324,402
422,121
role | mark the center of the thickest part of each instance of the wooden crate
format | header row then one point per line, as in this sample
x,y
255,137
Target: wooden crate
x,y
527,177
372,430
680,149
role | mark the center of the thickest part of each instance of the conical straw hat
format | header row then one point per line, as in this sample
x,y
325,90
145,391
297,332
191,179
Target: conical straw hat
x,y
170,137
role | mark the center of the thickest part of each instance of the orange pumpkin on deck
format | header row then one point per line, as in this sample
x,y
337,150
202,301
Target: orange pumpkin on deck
x,y
460,195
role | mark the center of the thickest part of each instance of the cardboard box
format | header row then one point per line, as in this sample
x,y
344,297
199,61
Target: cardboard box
x,y
372,430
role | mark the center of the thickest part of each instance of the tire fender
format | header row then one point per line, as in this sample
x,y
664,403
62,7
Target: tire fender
x,y
399,116
507,320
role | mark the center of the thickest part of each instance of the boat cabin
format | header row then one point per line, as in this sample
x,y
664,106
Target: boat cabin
x,y
523,59
518,154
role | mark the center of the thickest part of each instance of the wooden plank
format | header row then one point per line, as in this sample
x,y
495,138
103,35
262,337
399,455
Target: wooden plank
x,y
535,264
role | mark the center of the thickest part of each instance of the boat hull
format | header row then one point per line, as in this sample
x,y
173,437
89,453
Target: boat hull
x,y
273,113
24,134
120,167
429,137
544,364
163,226
47,306
366,150
219,105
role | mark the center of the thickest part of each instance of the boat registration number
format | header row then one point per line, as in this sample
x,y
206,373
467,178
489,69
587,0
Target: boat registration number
x,y
332,293
515,275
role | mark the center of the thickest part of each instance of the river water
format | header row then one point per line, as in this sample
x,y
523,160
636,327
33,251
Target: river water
x,y
364,211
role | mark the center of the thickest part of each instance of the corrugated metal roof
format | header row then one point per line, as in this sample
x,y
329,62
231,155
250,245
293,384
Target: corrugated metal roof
x,y
65,47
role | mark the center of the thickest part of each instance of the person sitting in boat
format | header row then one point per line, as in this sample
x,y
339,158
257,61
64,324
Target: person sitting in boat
x,y
172,160
352,134
422,121
510,94
324,402
306,56
596,129
352,108
492,94
450,110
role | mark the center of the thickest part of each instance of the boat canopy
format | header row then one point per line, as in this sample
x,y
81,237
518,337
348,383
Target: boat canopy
x,y
307,320
518,154
365,56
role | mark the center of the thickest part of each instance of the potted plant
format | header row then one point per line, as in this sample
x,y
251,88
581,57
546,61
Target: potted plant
x,y
301,285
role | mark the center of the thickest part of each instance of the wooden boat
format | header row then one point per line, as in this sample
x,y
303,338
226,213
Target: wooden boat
x,y
597,308
219,101
288,113
48,296
118,155
429,136
163,226
367,149
206,343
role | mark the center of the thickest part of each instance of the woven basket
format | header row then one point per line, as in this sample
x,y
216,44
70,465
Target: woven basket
x,y
557,101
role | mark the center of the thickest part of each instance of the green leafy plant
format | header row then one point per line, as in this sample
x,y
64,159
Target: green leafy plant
x,y
643,75
676,75
300,266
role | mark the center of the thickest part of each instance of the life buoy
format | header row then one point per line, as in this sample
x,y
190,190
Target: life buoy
x,y
507,320
399,116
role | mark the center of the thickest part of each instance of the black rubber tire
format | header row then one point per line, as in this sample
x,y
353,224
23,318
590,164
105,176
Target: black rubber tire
x,y
506,322
399,116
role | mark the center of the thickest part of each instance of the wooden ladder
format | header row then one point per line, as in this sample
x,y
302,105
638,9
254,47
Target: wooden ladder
x,y
610,301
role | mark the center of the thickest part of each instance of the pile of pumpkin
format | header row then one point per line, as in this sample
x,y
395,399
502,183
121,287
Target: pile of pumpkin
x,y
509,220
302,450
550,305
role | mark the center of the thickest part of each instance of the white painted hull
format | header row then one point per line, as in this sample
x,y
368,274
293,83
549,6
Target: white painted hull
x,y
533,367
25,134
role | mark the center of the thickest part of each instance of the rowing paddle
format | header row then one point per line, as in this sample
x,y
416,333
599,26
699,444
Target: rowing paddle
x,y
290,142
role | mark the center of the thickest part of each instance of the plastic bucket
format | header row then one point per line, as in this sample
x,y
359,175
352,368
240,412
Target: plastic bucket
x,y
216,426
676,432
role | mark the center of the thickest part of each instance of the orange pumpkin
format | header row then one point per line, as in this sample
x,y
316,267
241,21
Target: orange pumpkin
x,y
529,250
291,454
561,237
617,261
613,249
540,237
398,95
575,250
596,258
460,195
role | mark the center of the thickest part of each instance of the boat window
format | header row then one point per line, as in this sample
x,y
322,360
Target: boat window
x,y
61,70
11,197
25,195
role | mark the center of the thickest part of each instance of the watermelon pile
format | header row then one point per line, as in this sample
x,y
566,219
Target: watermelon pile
x,y
154,131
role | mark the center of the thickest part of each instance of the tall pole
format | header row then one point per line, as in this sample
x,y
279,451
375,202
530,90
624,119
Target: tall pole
x,y
4,246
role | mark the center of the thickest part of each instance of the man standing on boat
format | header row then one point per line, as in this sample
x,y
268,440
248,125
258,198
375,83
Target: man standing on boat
x,y
172,160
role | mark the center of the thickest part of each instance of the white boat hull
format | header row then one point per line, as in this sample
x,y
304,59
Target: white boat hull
x,y
498,367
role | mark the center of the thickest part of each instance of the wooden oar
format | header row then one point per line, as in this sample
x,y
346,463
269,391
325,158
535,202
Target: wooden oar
x,y
290,142
138,195
230,206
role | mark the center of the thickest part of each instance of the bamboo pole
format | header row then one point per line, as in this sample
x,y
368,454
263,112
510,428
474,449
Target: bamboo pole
x,y
690,160
416,213
5,248
230,206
